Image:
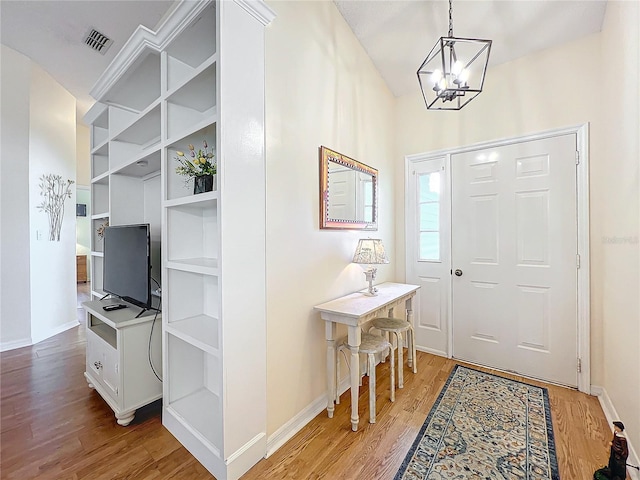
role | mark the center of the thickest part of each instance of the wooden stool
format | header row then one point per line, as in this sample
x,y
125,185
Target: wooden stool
x,y
398,326
370,345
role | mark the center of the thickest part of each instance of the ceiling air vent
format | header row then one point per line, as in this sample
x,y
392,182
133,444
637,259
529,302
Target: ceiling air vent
x,y
97,41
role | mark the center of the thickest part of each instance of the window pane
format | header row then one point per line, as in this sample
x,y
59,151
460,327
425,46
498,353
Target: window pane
x,y
368,214
429,246
368,193
430,216
429,187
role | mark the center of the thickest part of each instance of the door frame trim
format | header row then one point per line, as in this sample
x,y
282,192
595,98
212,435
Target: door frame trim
x,y
582,217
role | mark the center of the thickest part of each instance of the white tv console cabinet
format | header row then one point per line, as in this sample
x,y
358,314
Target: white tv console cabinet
x,y
118,356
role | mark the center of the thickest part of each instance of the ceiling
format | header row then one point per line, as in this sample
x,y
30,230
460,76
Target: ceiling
x,y
396,34
51,33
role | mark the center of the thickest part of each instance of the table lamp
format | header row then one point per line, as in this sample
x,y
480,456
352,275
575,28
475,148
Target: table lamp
x,y
370,251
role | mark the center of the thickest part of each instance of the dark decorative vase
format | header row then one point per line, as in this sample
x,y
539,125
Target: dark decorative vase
x,y
202,184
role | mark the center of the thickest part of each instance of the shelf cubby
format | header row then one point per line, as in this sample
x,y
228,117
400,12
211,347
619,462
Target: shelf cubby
x,y
98,243
127,208
201,331
100,162
122,153
192,103
192,47
192,295
137,140
102,330
100,137
179,186
97,266
100,129
143,164
143,128
100,195
120,118
194,395
101,148
139,87
200,220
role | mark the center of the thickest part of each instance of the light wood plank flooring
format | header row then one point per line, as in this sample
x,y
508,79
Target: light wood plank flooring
x,y
54,427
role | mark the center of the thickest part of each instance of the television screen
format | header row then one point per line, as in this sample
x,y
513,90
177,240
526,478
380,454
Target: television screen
x,y
127,263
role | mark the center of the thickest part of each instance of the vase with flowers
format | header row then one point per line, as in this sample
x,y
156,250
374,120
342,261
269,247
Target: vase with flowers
x,y
201,167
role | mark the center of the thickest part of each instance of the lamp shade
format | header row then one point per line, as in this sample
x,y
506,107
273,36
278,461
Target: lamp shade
x,y
370,251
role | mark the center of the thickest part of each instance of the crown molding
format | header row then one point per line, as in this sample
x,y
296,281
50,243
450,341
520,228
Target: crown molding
x,y
145,40
141,40
185,13
259,10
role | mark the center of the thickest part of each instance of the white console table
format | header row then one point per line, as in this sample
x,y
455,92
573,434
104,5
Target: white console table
x,y
354,310
118,356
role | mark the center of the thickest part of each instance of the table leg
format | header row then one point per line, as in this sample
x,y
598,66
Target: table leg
x,y
400,361
412,351
330,333
354,346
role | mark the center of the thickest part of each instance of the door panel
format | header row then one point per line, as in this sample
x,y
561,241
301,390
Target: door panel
x,y
110,374
428,258
514,236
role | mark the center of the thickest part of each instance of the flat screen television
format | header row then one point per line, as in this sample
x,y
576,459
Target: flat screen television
x,y
127,263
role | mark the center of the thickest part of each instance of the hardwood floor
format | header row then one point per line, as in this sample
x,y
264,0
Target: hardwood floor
x,y
54,427
326,448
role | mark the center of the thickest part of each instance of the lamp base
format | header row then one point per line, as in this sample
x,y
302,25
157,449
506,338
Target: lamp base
x,y
371,293
370,275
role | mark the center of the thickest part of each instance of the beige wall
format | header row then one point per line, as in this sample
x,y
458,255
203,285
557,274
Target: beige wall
x,y
616,206
321,89
52,150
556,88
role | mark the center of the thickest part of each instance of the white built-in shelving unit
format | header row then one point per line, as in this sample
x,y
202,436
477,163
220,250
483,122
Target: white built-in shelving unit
x,y
198,77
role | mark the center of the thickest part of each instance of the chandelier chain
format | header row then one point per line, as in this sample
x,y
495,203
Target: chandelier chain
x,y
450,19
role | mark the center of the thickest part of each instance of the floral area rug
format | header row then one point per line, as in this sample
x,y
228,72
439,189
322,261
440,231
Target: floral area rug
x,y
484,427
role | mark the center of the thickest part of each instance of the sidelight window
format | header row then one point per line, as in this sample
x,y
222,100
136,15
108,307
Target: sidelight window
x,y
429,216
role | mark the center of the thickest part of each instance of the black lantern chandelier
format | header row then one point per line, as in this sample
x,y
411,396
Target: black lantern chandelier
x,y
453,73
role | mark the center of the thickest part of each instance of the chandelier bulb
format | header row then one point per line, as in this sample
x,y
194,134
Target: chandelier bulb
x,y
436,76
464,76
457,68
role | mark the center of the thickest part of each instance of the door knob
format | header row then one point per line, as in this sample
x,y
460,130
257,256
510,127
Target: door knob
x,y
458,272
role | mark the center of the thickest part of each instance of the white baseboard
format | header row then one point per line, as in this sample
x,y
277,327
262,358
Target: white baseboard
x,y
5,346
612,415
26,342
433,351
293,426
54,331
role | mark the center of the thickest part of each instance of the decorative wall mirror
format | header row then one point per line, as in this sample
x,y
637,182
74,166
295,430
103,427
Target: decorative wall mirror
x,y
348,193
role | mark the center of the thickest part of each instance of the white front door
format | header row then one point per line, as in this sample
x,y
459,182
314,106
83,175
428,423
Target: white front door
x,y
428,251
514,258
